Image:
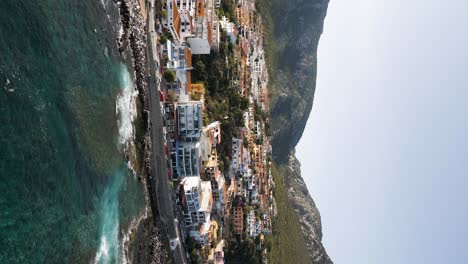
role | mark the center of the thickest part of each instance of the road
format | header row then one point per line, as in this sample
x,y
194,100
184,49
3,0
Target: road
x,y
159,168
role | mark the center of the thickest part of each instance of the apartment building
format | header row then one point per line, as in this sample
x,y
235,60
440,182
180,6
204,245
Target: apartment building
x,y
189,120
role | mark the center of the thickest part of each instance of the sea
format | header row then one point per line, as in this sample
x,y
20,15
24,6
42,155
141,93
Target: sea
x,y
67,106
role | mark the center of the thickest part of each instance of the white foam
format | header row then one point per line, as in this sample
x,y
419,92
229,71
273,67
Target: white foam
x,y
11,89
126,108
103,252
109,223
103,4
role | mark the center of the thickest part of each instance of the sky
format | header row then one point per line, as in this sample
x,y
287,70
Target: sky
x,y
385,151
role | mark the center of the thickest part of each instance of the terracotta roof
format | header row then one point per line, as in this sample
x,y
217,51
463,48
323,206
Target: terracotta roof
x,y
176,18
188,57
200,8
210,34
189,82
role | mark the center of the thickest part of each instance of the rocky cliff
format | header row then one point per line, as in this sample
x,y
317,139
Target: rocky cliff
x,y
294,35
294,29
303,204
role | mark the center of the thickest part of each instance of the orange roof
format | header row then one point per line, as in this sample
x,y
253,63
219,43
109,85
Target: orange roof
x,y
244,47
189,82
200,8
176,18
210,34
188,57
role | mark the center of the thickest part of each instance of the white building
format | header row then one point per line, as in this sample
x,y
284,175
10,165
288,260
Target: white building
x,y
189,120
187,160
230,29
205,31
206,204
190,198
197,200
173,22
178,56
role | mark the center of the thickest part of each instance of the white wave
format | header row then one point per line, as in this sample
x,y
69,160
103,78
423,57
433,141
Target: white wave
x,y
103,252
8,89
103,4
126,108
109,223
121,31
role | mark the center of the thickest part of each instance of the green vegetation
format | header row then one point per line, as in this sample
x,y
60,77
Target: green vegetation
x,y
242,252
227,9
169,76
287,242
222,100
163,38
259,114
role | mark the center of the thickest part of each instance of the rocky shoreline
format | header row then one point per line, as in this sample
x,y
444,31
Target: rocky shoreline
x,y
146,241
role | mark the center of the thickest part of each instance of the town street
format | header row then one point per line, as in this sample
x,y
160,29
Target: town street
x,y
162,190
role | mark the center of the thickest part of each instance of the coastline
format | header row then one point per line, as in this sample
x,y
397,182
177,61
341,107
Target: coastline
x,y
144,241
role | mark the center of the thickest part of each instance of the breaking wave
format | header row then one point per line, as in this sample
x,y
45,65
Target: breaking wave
x,y
126,107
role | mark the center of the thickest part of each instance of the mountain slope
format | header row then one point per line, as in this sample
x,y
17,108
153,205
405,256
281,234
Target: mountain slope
x,y
294,28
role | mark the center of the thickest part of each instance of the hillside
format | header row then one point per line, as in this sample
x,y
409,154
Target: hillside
x,y
294,28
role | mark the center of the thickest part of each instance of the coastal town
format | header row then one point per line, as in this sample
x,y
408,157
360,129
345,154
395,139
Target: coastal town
x,y
209,65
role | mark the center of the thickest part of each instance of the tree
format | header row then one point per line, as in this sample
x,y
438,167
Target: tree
x,y
244,104
169,75
163,39
200,71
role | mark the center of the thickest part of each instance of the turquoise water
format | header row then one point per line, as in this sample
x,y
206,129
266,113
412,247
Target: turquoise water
x,y
66,194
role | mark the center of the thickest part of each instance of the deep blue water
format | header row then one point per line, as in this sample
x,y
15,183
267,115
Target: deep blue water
x,y
66,194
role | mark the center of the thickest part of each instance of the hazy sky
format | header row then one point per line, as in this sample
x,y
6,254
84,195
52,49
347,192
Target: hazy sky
x,y
385,152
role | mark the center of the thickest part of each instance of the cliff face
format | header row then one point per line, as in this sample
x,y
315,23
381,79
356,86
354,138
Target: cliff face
x,y
295,27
